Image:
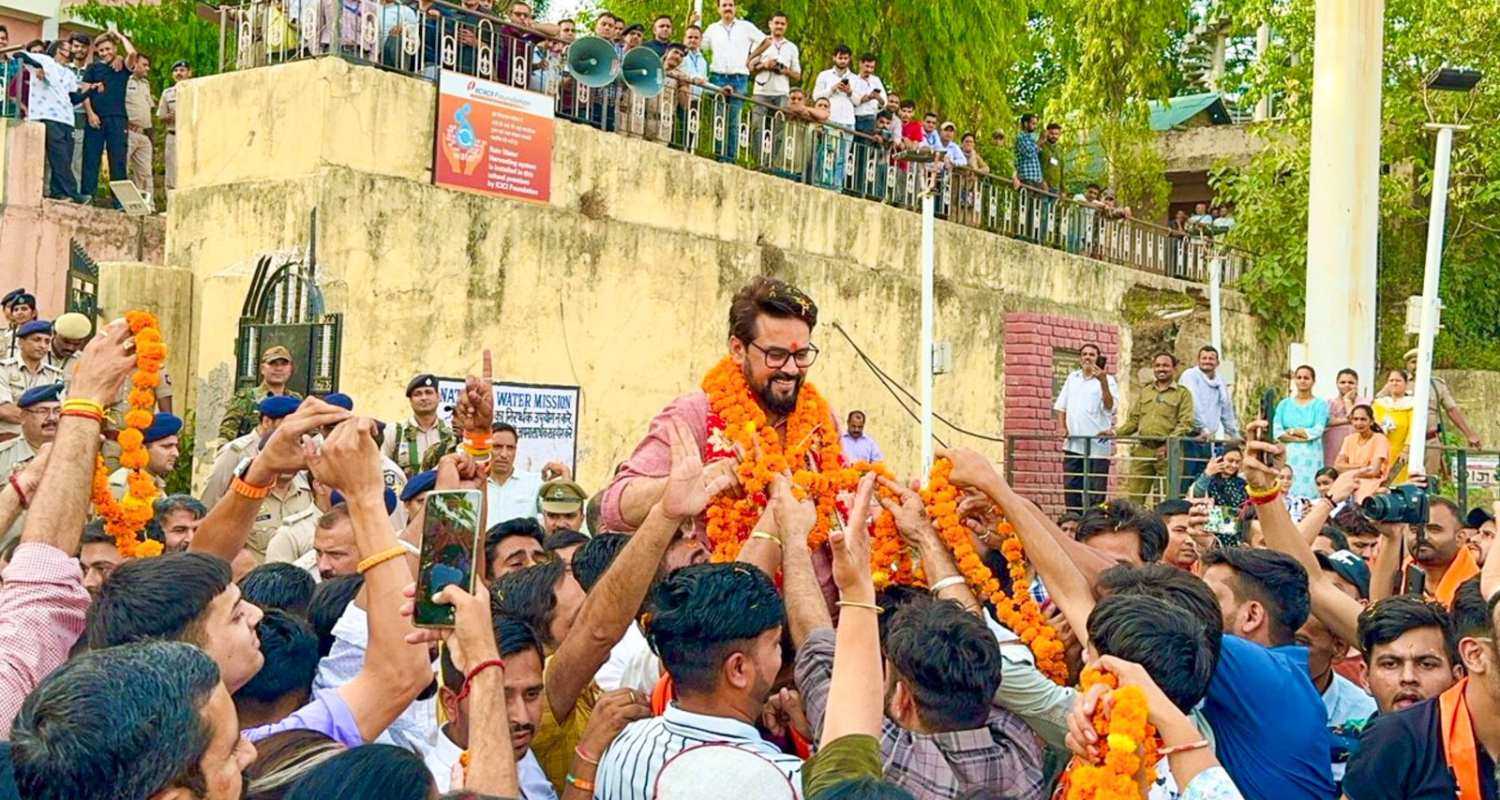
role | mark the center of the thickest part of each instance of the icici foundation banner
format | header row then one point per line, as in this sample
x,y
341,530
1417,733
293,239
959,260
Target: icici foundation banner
x,y
492,138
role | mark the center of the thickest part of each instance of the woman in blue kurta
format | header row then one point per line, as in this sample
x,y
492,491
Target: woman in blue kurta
x,y
1300,420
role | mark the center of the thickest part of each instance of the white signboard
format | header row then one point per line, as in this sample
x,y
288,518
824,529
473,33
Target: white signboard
x,y
1482,471
545,416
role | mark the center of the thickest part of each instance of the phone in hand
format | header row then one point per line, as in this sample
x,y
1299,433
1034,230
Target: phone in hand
x,y
1267,413
450,545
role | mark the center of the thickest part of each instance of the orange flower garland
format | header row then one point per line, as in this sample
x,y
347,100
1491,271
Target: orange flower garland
x,y
1020,613
812,454
1130,756
124,519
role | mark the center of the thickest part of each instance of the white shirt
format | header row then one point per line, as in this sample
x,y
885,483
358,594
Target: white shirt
x,y
840,104
443,756
862,87
774,84
631,664
955,154
1083,401
516,498
416,729
1346,703
48,96
731,46
395,14
629,767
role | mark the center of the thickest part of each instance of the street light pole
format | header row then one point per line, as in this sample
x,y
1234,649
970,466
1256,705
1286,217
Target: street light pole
x,y
1435,219
924,361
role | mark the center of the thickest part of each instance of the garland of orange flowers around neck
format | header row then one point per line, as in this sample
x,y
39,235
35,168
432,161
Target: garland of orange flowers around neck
x,y
1130,746
1018,611
126,518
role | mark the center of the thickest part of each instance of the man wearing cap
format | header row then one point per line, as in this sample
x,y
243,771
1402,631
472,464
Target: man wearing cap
x,y
70,332
275,372
414,493
294,538
161,447
1479,532
39,414
423,438
20,308
561,504
271,410
166,112
394,477
26,369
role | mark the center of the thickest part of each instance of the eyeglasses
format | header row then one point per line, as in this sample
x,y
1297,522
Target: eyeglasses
x,y
776,357
45,413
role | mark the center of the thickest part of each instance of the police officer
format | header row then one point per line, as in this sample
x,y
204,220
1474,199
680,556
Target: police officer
x,y
412,442
272,410
20,308
561,505
161,446
414,493
166,113
28,368
275,372
294,538
1439,400
70,332
40,406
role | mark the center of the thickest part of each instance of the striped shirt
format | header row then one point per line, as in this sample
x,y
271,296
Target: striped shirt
x,y
1003,758
629,767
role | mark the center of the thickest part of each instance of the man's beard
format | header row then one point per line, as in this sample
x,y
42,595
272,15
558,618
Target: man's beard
x,y
765,393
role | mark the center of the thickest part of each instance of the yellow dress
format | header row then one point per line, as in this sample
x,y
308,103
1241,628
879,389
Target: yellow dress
x,y
1393,416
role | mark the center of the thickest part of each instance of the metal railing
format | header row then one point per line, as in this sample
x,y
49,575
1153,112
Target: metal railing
x,y
1147,472
707,120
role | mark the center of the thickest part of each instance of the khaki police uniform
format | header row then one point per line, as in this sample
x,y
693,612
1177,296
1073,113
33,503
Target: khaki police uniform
x,y
1155,415
15,379
281,503
228,460
15,454
294,537
166,111
409,444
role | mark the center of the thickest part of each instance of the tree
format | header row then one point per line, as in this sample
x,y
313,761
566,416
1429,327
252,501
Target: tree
x,y
167,32
1271,193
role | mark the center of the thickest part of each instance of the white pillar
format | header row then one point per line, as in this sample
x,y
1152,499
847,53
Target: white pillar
x,y
924,358
1343,212
1262,44
1419,422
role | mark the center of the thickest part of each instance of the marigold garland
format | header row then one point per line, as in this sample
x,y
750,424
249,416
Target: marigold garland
x,y
811,453
124,519
1019,612
1128,767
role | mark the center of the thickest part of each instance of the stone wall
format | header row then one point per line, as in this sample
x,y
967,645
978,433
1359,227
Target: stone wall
x,y
1478,394
619,284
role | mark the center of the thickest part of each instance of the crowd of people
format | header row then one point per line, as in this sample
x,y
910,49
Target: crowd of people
x,y
613,647
94,97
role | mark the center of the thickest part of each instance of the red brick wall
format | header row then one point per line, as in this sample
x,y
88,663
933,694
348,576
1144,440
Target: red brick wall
x,y
1030,339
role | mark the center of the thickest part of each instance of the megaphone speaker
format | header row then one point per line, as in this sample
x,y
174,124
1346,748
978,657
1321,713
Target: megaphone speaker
x,y
642,71
593,62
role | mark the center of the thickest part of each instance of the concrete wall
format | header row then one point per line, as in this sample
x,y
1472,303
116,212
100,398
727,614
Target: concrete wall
x,y
1478,394
620,284
35,232
167,292
1208,146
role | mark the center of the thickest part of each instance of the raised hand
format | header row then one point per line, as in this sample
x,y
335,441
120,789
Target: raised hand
x,y
688,489
612,713
107,360
910,514
458,470
1257,474
475,410
348,459
794,517
851,547
283,451
969,467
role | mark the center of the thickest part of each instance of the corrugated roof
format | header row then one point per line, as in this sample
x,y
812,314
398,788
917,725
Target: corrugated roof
x,y
1176,111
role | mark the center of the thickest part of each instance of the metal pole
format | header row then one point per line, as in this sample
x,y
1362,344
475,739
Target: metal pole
x,y
1435,218
925,356
1215,309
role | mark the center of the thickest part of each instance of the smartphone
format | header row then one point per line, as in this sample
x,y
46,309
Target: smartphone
x,y
1267,413
450,545
1101,361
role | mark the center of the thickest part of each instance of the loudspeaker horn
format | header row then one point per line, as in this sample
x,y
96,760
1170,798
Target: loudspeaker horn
x,y
593,62
643,72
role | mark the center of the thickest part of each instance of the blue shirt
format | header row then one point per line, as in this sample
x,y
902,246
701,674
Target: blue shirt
x,y
1269,722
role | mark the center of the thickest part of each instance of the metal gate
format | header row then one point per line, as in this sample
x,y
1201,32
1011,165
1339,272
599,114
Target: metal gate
x,y
83,284
285,307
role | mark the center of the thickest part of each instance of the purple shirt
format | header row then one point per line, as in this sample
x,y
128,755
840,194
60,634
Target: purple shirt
x,y
327,714
861,448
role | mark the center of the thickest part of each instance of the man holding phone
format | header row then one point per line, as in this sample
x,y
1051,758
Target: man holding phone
x,y
1085,411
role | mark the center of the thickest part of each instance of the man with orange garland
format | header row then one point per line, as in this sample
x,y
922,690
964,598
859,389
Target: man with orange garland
x,y
770,352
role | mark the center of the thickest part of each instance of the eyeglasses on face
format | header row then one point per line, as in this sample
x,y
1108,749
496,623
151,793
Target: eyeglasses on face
x,y
776,357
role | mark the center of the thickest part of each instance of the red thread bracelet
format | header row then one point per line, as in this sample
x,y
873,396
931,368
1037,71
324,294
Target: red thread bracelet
x,y
478,668
15,484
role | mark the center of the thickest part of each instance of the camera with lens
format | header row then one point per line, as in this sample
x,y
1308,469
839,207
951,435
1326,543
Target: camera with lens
x,y
1404,504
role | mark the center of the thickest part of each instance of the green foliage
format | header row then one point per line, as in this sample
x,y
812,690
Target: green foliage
x,y
1271,194
165,31
946,56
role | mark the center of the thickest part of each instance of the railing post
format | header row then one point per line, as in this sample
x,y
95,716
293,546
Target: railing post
x,y
1174,469
1010,459
1461,476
